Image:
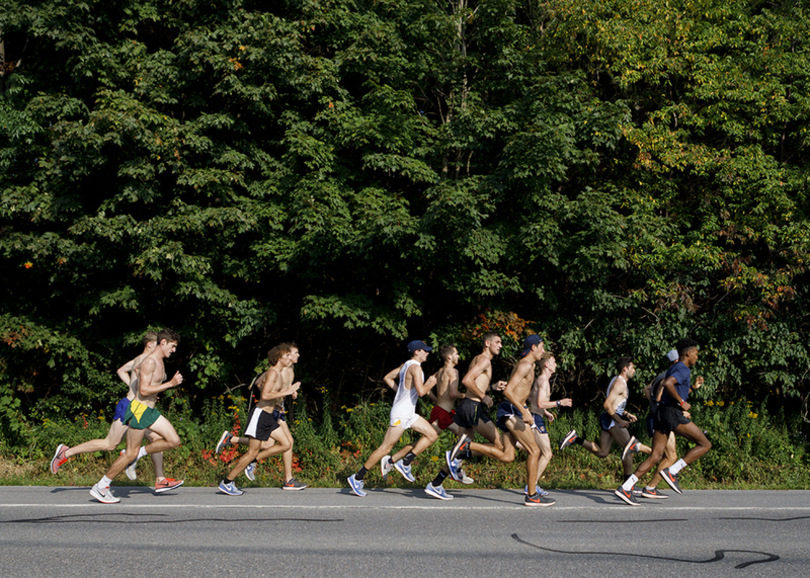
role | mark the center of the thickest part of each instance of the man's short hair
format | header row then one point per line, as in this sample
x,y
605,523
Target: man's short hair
x,y
489,336
623,362
685,345
544,359
149,337
280,351
445,351
167,334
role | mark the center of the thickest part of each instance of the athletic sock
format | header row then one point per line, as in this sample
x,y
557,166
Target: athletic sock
x,y
409,457
361,473
439,480
649,488
141,453
579,440
104,483
629,483
677,467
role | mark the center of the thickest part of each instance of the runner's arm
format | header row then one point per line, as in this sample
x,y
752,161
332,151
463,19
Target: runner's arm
x,y
454,392
472,374
124,371
415,373
391,376
521,371
669,385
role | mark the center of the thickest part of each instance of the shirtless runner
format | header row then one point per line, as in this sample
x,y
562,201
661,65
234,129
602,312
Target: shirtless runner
x,y
141,414
472,413
261,423
280,415
539,403
128,373
515,418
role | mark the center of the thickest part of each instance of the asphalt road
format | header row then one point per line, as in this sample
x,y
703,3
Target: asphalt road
x,y
62,531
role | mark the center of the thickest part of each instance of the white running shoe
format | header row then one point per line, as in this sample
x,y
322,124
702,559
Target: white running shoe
x,y
386,466
104,496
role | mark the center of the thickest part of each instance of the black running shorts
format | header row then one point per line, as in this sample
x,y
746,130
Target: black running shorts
x,y
668,418
469,412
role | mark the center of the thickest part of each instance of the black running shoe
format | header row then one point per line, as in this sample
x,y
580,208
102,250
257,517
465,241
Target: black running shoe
x,y
538,500
628,497
671,480
653,494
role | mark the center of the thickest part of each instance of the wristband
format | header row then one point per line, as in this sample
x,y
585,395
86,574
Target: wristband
x,y
680,403
558,403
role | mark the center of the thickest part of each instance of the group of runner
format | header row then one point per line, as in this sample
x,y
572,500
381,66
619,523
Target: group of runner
x,y
520,419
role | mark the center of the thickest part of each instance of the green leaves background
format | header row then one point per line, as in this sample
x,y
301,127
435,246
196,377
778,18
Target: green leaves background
x,y
355,174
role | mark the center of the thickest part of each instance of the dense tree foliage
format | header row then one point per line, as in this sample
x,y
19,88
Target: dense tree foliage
x,y
353,174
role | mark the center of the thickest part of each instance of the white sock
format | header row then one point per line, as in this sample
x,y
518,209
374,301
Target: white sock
x,y
104,483
677,467
631,481
141,453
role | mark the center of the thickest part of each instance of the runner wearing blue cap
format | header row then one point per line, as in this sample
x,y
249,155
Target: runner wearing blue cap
x,y
412,386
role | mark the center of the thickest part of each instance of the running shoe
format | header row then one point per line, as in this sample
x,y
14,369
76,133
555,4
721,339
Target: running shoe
x,y
59,458
250,471
570,438
225,440
465,479
538,500
538,489
453,466
404,470
293,484
628,497
462,445
671,480
104,496
230,488
653,494
636,491
167,484
632,447
386,466
357,486
130,471
437,492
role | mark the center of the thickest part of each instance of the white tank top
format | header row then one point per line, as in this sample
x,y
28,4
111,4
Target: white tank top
x,y
619,409
405,400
